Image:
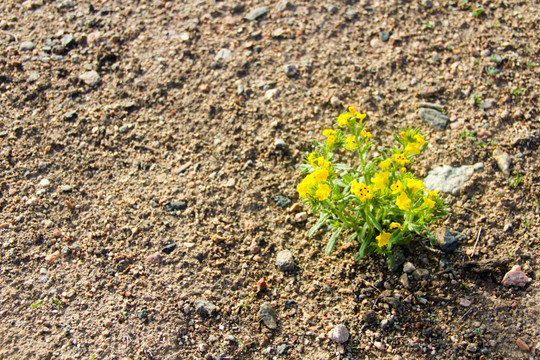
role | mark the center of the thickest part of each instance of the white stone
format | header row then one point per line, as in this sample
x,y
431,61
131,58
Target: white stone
x,y
339,334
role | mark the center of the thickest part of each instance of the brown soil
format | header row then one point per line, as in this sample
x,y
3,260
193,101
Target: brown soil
x,y
177,144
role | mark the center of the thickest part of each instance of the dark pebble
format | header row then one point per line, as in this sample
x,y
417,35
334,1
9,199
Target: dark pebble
x,y
175,206
143,315
283,201
384,35
169,248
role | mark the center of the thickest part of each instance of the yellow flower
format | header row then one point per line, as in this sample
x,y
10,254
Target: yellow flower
x,y
361,190
343,119
413,148
385,164
432,194
351,143
380,180
403,134
352,109
403,202
323,192
365,134
320,175
328,132
397,187
360,117
400,159
321,161
312,159
396,225
420,139
331,139
302,189
310,180
415,185
383,239
428,202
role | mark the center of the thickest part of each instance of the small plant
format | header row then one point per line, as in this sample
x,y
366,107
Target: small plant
x,y
518,91
516,181
492,71
37,304
471,136
478,12
376,201
428,25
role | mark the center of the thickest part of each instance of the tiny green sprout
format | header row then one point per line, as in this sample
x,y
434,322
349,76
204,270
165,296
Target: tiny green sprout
x,y
500,193
530,64
516,181
375,201
428,25
93,357
518,91
478,12
492,71
478,331
57,303
37,304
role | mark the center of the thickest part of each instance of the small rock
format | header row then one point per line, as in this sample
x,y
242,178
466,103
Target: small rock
x,y
68,40
175,206
408,267
256,13
433,106
404,280
516,277
339,334
522,345
300,217
271,94
335,102
419,274
268,316
449,179
283,201
44,182
282,349
379,345
503,161
465,302
224,55
496,58
90,78
169,248
27,46
369,316
447,240
66,188
154,258
384,35
53,257
204,307
70,116
290,70
434,118
472,348
280,144
331,8
143,315
285,260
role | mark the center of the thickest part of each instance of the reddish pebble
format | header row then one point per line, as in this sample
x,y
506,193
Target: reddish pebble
x,y
52,257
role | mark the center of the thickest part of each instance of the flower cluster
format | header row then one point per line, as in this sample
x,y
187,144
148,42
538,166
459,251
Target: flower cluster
x,y
379,200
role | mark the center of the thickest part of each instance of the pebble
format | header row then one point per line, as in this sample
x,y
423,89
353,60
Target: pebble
x,y
175,206
66,188
522,345
434,118
204,307
290,70
283,201
268,315
516,277
339,334
503,161
447,240
433,106
384,35
449,179
70,116
27,46
143,315
271,94
408,267
256,13
280,144
404,280
335,102
68,40
465,302
90,78
44,182
472,348
154,258
224,55
300,217
169,248
282,349
285,260
53,257
419,274
369,316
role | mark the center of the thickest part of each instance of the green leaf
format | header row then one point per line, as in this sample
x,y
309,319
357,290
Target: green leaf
x,y
396,235
322,220
332,241
342,167
374,221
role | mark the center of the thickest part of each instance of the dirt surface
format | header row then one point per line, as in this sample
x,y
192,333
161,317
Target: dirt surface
x,y
144,146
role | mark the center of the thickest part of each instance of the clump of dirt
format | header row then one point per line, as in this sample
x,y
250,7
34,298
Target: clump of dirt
x,y
149,158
